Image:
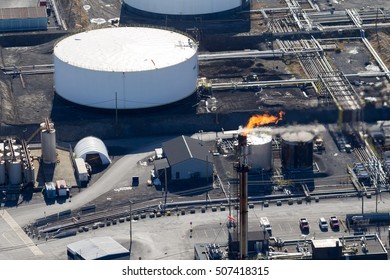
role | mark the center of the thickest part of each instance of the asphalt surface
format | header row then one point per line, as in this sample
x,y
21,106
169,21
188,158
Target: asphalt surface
x,y
170,237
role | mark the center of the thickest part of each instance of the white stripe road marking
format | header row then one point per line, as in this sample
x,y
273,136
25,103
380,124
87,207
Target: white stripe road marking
x,y
9,241
22,235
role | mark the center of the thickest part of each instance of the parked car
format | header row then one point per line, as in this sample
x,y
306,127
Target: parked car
x,y
323,224
304,224
334,223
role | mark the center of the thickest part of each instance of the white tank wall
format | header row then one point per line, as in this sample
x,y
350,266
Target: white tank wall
x,y
134,89
184,7
15,172
260,152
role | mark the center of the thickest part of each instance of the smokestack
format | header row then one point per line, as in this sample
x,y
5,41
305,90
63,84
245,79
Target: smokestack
x,y
254,121
243,171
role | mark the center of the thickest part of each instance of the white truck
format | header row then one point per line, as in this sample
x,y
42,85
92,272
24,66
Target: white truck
x,y
264,222
81,170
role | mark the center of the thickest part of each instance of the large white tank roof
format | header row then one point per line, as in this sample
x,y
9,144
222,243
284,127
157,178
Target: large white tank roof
x,y
126,49
126,67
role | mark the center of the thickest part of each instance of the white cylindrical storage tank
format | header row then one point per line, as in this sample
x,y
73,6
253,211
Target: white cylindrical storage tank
x,y
15,171
183,7
3,179
126,68
260,151
48,145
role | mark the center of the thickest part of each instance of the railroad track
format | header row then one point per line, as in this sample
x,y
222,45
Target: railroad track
x,y
121,213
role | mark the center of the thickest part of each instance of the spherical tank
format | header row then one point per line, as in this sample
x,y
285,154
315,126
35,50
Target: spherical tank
x,y
297,151
3,179
126,67
260,151
183,7
14,171
48,145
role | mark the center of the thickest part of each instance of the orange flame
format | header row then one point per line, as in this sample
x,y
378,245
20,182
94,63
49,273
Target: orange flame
x,y
259,120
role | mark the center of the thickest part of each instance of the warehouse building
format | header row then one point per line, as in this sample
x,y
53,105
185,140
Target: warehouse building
x,y
186,158
23,19
97,248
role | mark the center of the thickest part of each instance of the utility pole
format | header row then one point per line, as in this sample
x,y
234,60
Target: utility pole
x,y
165,187
131,226
376,184
376,29
230,204
116,108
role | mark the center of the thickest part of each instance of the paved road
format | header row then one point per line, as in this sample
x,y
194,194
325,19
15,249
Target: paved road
x,y
170,238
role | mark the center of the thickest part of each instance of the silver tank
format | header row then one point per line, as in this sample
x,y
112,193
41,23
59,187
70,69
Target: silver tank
x,y
14,168
260,151
48,143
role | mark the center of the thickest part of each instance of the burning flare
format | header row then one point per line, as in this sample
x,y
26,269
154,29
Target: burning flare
x,y
259,120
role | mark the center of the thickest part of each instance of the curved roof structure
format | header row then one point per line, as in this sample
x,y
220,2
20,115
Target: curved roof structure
x,y
91,145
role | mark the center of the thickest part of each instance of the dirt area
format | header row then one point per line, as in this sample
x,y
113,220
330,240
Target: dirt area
x,y
31,90
74,14
235,69
62,170
353,57
381,43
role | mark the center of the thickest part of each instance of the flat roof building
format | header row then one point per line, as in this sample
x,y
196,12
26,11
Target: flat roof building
x,y
97,248
23,19
18,3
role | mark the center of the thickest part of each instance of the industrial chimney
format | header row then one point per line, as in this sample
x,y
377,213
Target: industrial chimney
x,y
243,196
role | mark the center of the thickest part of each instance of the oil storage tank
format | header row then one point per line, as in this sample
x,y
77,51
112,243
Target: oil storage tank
x,y
260,151
297,151
184,8
126,67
